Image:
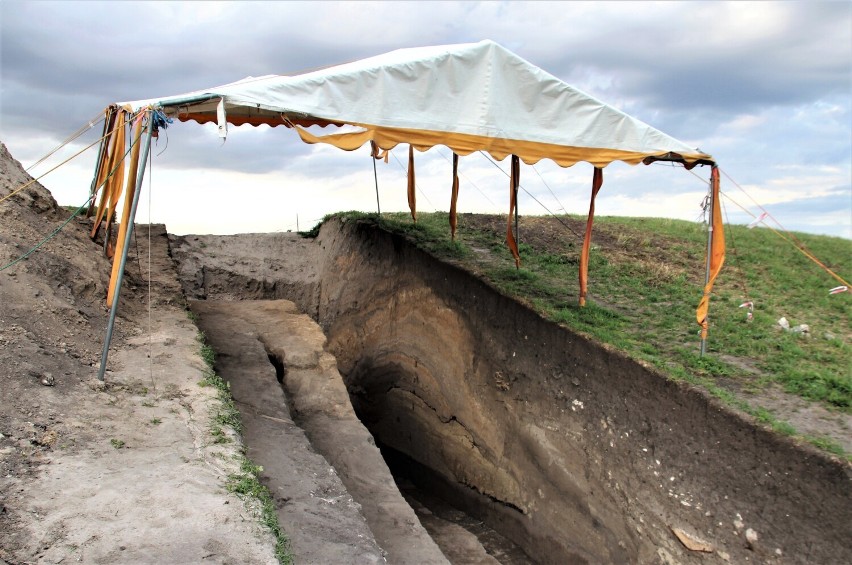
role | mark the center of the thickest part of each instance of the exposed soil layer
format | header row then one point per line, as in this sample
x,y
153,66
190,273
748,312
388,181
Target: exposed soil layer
x,y
462,537
574,452
121,472
259,343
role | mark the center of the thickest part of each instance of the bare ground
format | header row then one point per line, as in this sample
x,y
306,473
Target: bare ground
x,y
573,451
126,471
121,472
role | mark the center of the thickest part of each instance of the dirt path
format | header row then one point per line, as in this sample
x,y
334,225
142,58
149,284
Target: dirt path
x,y
124,472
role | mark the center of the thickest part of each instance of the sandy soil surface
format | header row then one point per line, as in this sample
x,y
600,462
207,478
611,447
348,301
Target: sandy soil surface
x,y
120,472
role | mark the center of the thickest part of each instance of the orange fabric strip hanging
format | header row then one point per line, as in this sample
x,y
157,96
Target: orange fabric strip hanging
x,y
116,156
130,188
454,197
514,182
379,155
717,251
412,196
597,182
116,183
103,163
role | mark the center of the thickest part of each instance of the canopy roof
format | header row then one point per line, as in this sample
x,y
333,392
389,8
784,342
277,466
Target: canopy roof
x,y
468,97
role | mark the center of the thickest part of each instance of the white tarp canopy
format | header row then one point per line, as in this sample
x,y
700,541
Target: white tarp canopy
x,y
468,97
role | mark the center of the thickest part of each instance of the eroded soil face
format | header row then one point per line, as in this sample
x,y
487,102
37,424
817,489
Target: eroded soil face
x,y
574,452
121,472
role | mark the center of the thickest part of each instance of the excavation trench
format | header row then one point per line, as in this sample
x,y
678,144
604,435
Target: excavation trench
x,y
572,452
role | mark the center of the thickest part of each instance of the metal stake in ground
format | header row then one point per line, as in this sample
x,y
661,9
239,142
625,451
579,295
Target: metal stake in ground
x,y
127,238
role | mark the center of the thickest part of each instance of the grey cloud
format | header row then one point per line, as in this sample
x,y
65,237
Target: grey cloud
x,y
674,65
247,150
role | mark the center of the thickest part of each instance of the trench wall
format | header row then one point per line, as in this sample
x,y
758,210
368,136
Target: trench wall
x,y
587,453
575,452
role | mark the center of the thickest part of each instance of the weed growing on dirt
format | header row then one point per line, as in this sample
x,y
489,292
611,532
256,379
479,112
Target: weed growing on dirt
x,y
828,445
208,355
645,280
247,484
219,435
117,443
226,415
156,421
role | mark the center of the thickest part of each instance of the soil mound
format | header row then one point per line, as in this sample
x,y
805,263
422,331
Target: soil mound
x,y
122,472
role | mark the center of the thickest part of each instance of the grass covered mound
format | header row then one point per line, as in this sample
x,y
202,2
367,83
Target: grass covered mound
x,y
645,279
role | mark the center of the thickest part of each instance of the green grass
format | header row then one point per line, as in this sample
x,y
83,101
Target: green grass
x,y
245,483
645,280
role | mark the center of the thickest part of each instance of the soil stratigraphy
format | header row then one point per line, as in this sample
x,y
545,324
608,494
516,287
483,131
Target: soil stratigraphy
x,y
572,450
117,472
247,336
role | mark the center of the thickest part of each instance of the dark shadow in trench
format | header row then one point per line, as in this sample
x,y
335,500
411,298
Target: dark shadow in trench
x,y
432,499
280,368
436,500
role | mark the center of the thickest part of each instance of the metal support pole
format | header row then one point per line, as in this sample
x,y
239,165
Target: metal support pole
x,y
376,176
707,265
113,309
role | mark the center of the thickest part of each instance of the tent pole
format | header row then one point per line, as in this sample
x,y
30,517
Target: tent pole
x,y
712,203
100,155
516,181
376,177
517,231
124,251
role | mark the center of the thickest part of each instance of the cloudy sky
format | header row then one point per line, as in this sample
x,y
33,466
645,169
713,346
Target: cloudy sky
x,y
765,87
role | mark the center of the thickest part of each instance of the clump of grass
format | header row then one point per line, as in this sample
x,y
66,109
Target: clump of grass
x,y
226,414
193,317
208,354
246,483
117,443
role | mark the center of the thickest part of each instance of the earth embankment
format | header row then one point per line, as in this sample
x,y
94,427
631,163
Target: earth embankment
x,y
570,449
